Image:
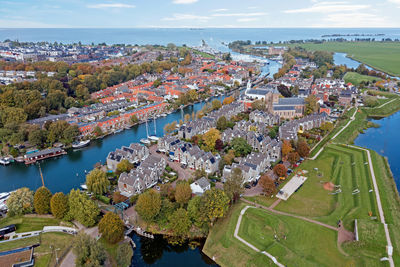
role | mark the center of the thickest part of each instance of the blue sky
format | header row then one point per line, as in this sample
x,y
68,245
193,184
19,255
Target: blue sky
x,y
198,13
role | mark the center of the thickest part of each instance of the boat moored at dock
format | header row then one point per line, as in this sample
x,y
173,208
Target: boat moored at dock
x,y
43,154
80,144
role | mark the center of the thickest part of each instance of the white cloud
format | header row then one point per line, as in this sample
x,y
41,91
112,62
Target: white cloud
x,y
397,2
239,14
219,10
353,20
247,19
184,2
176,17
111,5
329,7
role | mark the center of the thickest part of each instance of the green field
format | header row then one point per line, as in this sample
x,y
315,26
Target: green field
x,y
356,78
341,166
383,56
27,224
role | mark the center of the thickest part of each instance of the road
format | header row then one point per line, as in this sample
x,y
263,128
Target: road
x,y
378,201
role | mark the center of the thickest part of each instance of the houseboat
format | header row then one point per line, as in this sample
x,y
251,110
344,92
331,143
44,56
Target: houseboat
x,y
43,154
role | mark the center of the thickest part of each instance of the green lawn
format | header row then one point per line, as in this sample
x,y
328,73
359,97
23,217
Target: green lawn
x,y
27,224
383,56
335,165
356,78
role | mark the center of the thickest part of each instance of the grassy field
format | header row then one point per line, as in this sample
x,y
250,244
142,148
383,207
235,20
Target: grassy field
x,y
356,78
27,224
383,56
341,166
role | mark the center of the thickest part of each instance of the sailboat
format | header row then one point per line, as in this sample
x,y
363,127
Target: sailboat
x,y
154,137
146,141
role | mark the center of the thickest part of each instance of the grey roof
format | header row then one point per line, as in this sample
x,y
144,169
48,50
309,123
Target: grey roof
x,y
291,101
203,182
284,108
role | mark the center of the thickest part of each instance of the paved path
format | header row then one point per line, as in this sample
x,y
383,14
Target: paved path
x,y
247,243
378,201
291,215
340,131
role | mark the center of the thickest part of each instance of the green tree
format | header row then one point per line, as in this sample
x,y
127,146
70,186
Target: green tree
x,y
82,209
134,119
97,131
112,228
179,222
59,205
215,204
41,200
97,181
70,133
240,146
216,104
183,193
258,105
20,202
124,166
222,123
37,137
148,205
124,255
196,212
233,185
88,252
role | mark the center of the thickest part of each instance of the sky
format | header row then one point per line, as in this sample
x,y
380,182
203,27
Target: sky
x,y
199,13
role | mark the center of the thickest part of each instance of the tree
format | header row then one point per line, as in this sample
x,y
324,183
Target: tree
x,y
148,205
183,193
124,255
268,185
81,208
97,181
233,186
88,252
37,137
240,146
229,157
228,100
97,131
170,127
134,119
124,166
187,117
326,126
312,105
41,200
280,170
258,105
210,137
284,90
286,148
59,205
118,198
293,157
222,123
20,202
216,104
215,204
196,212
112,228
180,222
303,149
219,144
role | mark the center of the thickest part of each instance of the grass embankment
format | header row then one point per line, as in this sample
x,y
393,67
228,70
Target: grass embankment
x,y
28,224
50,245
356,78
383,56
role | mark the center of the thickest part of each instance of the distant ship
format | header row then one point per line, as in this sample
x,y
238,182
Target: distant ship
x,y
80,144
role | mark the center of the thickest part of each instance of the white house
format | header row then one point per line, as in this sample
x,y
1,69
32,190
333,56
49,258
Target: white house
x,y
200,186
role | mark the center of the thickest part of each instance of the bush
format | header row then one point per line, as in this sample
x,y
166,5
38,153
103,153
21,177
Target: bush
x,y
124,255
20,202
104,199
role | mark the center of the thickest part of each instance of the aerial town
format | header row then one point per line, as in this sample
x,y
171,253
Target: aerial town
x,y
205,150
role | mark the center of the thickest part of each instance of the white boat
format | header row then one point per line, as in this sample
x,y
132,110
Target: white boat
x,y
84,186
145,141
154,138
80,144
4,196
164,115
5,160
118,131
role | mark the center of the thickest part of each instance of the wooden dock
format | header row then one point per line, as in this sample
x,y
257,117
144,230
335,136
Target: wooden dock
x,y
137,230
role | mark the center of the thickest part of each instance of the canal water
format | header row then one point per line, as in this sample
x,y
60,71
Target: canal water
x,y
385,140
